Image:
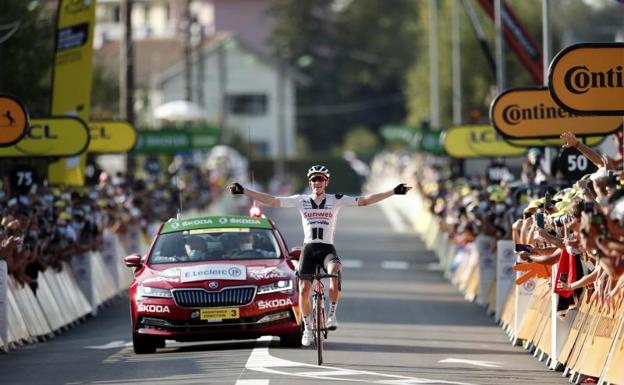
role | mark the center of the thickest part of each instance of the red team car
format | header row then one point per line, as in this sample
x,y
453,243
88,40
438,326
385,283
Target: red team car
x,y
214,278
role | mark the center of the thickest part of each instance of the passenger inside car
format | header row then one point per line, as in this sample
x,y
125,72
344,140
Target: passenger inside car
x,y
196,248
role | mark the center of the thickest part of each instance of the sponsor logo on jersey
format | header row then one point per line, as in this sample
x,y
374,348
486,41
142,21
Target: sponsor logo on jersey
x,y
274,303
318,214
154,308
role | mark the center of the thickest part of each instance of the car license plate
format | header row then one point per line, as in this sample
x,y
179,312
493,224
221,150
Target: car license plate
x,y
219,313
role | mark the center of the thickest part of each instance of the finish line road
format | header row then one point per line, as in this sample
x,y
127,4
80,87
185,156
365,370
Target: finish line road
x,y
400,321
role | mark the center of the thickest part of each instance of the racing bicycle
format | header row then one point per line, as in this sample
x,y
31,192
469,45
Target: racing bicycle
x,y
318,308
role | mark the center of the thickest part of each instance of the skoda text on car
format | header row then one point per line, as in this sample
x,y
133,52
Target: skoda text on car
x,y
214,278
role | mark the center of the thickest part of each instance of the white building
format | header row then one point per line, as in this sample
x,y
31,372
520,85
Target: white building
x,y
240,90
238,85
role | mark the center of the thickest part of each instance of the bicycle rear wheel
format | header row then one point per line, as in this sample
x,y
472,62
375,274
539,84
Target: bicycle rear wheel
x,y
319,324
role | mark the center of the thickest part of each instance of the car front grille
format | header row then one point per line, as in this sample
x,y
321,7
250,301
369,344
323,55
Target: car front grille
x,y
236,296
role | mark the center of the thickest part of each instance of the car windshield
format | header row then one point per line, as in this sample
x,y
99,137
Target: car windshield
x,y
215,245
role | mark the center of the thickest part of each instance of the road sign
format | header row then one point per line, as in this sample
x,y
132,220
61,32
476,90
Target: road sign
x,y
531,112
13,120
51,137
588,78
111,137
477,141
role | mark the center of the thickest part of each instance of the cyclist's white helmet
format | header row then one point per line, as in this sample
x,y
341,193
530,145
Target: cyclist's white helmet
x,y
318,169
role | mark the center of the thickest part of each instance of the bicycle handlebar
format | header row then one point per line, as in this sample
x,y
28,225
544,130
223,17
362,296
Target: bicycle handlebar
x,y
317,276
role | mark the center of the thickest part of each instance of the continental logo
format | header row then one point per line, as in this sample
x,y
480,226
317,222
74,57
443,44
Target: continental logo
x,y
588,79
515,114
532,113
580,79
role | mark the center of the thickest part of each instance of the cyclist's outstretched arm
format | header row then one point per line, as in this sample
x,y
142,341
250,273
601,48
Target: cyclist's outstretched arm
x,y
366,200
267,199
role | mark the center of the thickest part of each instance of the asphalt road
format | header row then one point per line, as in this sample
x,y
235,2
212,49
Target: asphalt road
x,y
401,322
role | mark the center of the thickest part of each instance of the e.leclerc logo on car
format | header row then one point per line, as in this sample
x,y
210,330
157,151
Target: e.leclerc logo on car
x,y
234,272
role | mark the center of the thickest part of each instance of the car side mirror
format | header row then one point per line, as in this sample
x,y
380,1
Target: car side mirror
x,y
133,260
295,253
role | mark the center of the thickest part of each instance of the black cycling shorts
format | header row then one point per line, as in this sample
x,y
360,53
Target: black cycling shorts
x,y
314,254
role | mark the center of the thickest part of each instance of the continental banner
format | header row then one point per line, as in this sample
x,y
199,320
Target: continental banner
x,y
111,137
13,120
51,137
477,141
589,78
71,80
531,112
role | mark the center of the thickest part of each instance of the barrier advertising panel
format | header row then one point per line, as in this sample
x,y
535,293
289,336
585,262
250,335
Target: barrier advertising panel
x,y
588,78
505,274
4,327
531,112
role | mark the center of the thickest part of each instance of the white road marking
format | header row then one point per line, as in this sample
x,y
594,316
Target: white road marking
x,y
252,382
394,265
434,266
260,360
351,263
111,345
394,217
485,364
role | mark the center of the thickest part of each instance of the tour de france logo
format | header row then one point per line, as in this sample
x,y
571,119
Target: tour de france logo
x,y
234,271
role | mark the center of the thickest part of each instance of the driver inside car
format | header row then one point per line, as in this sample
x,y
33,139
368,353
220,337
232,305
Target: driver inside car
x,y
196,248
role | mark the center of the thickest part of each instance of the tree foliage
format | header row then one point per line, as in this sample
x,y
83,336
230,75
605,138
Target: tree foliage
x,y
26,54
355,59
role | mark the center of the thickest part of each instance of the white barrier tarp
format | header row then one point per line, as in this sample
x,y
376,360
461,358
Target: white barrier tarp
x,y
487,265
505,277
109,256
3,306
81,265
524,293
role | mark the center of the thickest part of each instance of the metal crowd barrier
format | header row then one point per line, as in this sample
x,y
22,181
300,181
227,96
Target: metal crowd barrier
x,y
588,342
64,298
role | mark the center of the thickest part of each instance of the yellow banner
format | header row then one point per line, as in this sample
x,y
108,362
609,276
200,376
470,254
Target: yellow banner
x,y
589,78
554,142
477,141
531,113
71,80
13,120
111,137
51,137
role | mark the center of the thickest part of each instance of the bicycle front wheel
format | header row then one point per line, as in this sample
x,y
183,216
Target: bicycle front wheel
x,y
319,324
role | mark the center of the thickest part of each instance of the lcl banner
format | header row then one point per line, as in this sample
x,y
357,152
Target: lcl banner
x,y
477,141
111,137
531,112
50,137
589,78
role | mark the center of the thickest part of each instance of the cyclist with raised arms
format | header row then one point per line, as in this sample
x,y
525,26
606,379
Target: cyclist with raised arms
x,y
319,212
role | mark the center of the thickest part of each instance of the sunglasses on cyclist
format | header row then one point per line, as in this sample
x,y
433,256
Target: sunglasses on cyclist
x,y
318,178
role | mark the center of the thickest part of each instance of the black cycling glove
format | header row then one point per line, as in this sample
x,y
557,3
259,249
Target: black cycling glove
x,y
237,188
401,189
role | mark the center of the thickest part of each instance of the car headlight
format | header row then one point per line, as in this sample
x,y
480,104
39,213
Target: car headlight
x,y
146,291
279,286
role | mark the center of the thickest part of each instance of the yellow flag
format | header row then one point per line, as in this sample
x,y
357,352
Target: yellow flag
x,y
71,81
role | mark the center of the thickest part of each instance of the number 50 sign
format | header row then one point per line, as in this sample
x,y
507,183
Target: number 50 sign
x,y
573,165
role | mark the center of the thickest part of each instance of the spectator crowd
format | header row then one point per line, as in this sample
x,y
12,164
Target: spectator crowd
x,y
47,225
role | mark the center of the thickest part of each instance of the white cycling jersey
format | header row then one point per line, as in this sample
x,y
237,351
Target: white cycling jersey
x,y
319,220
